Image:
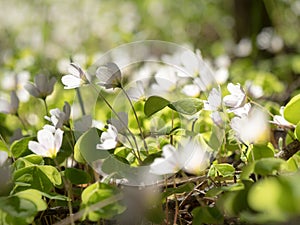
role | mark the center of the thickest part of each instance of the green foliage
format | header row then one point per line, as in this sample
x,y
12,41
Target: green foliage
x,y
20,147
268,166
207,215
42,178
154,104
96,193
292,109
188,106
223,169
85,147
297,131
76,176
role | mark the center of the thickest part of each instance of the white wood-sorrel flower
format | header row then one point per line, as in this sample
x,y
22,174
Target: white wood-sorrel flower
x,y
241,111
192,156
42,86
76,77
109,75
49,142
279,120
10,107
237,97
58,118
214,104
252,128
108,139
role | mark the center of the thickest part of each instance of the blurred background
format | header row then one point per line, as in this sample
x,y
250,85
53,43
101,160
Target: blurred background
x,y
252,41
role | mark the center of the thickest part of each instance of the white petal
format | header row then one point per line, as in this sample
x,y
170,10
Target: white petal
x,y
241,111
46,139
49,128
73,70
32,90
5,106
161,166
214,99
71,81
58,137
37,148
232,101
107,144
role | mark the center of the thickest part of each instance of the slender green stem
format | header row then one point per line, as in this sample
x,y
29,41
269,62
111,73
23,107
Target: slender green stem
x,y
21,120
260,106
68,188
46,106
120,119
80,101
136,118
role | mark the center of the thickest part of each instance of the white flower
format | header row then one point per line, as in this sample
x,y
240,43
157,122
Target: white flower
x,y
214,100
280,121
192,156
3,157
49,142
58,118
10,107
191,90
241,111
214,104
16,82
169,163
76,78
42,86
109,75
254,90
237,97
252,128
108,139
138,92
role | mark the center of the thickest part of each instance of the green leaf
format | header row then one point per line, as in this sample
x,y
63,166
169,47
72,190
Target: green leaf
x,y
207,215
223,169
267,166
76,176
3,147
271,197
187,106
17,207
85,148
29,160
259,151
154,104
20,147
292,109
185,188
35,197
52,174
297,131
42,178
98,192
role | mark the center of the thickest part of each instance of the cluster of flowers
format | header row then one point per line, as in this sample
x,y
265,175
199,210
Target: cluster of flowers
x,y
192,155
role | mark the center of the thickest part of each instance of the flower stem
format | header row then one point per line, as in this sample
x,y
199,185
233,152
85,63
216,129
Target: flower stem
x,y
21,120
46,106
119,118
80,101
136,118
68,188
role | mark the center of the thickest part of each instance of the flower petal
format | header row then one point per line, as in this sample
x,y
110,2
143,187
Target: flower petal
x,y
32,90
58,137
37,148
46,138
71,81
